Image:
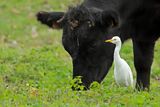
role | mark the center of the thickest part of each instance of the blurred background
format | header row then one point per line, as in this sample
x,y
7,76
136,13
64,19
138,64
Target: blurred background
x,y
35,70
18,23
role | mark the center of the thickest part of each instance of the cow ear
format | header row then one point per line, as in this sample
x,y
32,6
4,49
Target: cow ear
x,y
109,18
51,19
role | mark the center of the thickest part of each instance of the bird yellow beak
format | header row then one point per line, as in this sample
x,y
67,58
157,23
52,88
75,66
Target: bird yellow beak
x,y
110,41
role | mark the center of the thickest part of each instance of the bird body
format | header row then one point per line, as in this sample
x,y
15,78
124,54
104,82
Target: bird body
x,y
123,76
122,71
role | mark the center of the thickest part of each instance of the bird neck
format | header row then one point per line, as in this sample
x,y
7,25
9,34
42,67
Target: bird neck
x,y
116,52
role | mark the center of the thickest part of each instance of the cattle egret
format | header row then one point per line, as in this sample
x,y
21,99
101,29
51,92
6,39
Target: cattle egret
x,y
122,71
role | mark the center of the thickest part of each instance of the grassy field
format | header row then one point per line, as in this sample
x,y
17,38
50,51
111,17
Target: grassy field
x,y
35,70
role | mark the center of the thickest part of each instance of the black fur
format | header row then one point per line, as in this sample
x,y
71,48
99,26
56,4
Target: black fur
x,y
85,28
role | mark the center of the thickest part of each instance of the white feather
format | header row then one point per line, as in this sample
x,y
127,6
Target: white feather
x,y
122,71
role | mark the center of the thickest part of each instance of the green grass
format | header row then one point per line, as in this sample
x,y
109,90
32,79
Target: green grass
x,y
36,71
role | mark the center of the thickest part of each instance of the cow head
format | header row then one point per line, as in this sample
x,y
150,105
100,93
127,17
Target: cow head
x,y
84,33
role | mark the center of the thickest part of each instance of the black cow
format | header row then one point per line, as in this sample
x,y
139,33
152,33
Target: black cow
x,y
87,26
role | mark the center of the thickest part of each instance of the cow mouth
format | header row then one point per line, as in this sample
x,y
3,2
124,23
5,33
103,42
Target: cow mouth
x,y
87,77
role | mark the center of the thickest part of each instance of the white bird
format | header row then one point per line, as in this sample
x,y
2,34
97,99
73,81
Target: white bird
x,y
122,71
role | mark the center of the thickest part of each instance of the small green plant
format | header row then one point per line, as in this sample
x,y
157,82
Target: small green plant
x,y
95,85
77,83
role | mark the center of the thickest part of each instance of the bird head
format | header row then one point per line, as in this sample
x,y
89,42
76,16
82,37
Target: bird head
x,y
114,40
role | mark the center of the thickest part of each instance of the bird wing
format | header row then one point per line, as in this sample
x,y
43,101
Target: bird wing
x,y
129,73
